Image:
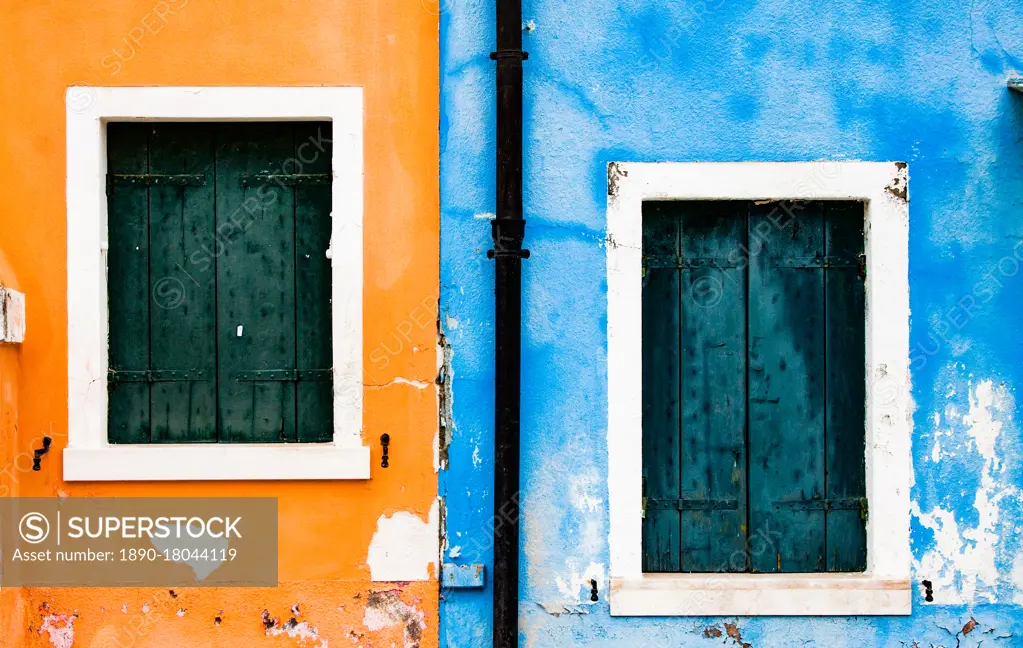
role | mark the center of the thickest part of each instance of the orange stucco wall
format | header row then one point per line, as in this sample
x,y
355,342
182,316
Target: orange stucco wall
x,y
389,47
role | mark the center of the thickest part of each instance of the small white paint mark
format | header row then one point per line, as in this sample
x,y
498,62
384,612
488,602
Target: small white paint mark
x,y
124,608
181,612
145,608
60,628
450,322
484,216
477,461
418,384
404,547
455,551
301,631
240,330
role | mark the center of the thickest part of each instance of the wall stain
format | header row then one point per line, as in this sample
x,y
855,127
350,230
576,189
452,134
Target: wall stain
x,y
444,395
735,635
614,173
386,608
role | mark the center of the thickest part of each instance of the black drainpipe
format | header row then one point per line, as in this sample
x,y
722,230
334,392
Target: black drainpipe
x,y
508,229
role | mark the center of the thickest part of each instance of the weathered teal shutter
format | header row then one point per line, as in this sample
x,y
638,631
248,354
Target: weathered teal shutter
x,y
753,368
219,285
846,389
661,384
786,388
713,387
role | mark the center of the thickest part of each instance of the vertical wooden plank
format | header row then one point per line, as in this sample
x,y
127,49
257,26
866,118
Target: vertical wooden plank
x,y
128,283
786,388
255,283
182,276
661,525
846,386
312,283
713,361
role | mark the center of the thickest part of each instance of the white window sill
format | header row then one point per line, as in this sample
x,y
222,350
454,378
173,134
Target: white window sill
x,y
216,462
760,595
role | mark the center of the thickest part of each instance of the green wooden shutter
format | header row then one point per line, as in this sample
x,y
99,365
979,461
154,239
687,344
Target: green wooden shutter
x,y
219,285
128,284
753,387
181,335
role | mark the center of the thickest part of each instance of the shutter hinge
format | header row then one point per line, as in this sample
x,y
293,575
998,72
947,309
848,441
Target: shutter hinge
x,y
284,375
159,375
154,180
284,179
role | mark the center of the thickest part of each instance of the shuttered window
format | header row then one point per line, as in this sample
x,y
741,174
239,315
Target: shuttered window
x,y
753,387
219,282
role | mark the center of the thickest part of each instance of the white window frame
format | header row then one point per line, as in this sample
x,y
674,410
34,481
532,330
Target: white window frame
x,y
884,589
89,456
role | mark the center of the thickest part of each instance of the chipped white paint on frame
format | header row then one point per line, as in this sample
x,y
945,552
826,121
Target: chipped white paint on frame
x,y
12,316
89,457
885,588
405,546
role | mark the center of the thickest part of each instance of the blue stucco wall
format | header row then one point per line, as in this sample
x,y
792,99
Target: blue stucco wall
x,y
922,81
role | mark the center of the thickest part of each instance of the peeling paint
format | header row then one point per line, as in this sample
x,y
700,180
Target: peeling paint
x,y
575,587
418,384
293,629
963,562
404,547
711,632
60,629
445,398
557,608
614,174
732,630
386,609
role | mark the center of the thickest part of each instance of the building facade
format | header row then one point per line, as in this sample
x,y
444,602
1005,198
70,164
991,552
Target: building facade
x,y
919,83
357,556
694,177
